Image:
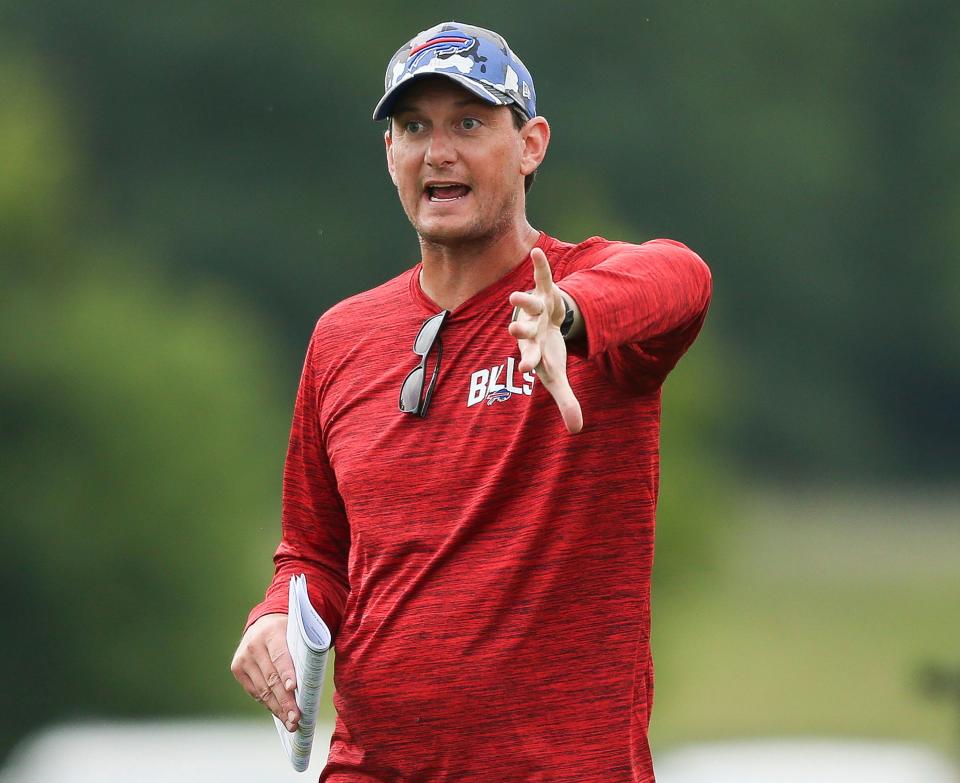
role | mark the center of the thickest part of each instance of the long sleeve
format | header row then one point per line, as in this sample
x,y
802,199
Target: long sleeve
x,y
315,535
642,305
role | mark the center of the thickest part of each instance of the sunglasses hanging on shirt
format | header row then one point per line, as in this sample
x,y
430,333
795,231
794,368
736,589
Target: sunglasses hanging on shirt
x,y
413,398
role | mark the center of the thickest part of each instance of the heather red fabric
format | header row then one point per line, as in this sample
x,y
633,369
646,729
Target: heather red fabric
x,y
486,575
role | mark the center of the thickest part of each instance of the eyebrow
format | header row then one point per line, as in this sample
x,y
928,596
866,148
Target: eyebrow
x,y
401,108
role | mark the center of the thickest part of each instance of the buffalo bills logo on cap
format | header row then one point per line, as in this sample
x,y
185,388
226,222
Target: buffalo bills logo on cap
x,y
443,45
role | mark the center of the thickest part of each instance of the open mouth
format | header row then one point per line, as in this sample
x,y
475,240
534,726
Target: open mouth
x,y
446,192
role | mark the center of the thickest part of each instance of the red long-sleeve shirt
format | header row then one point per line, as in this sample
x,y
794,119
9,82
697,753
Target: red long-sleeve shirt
x,y
486,575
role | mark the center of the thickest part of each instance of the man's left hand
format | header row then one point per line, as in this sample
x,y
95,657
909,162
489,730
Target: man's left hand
x,y
542,347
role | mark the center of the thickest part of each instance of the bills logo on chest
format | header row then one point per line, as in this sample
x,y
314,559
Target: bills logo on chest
x,y
499,383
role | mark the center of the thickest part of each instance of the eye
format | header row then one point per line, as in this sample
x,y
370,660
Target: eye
x,y
469,123
413,127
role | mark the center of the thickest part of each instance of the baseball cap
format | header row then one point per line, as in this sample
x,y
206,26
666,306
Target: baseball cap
x,y
474,57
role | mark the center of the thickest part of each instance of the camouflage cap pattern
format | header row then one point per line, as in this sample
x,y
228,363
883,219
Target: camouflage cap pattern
x,y
477,59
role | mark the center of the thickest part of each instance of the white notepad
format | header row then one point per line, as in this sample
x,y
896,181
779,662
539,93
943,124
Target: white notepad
x,y
308,640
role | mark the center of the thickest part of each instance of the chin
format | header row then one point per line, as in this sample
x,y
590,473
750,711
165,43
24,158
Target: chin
x,y
437,233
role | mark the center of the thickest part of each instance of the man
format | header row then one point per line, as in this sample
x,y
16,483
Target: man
x,y
485,572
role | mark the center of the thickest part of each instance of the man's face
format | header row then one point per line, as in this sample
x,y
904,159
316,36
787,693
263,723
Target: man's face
x,y
458,163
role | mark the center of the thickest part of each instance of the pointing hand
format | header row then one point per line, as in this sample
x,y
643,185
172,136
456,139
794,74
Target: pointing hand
x,y
542,347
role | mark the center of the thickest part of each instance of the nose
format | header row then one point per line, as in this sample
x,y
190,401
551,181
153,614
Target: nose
x,y
441,150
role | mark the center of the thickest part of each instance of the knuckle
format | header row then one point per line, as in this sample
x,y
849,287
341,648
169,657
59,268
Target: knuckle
x,y
273,679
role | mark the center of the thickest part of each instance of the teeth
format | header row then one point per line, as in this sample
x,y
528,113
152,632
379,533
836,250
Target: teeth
x,y
432,191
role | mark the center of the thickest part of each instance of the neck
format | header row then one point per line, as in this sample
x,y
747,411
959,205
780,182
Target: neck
x,y
451,274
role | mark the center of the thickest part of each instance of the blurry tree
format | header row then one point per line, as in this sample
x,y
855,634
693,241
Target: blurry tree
x,y
141,439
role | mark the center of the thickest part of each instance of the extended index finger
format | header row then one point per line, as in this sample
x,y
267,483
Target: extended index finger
x,y
541,270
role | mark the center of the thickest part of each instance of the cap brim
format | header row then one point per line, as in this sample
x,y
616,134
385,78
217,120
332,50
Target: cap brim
x,y
384,108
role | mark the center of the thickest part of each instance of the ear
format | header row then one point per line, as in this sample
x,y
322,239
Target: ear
x,y
535,137
388,143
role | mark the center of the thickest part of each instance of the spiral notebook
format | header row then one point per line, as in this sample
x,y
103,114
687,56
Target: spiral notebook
x,y
308,640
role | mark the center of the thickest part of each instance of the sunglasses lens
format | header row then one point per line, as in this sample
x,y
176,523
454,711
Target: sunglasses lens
x,y
411,390
428,333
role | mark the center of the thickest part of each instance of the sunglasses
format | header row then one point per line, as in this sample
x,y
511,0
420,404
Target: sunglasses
x,y
412,397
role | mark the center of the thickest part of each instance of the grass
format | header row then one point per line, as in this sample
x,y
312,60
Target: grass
x,y
818,623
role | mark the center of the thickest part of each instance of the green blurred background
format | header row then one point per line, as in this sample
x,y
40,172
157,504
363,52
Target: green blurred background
x,y
185,187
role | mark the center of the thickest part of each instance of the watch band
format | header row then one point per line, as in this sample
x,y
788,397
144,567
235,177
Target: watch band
x,y
567,323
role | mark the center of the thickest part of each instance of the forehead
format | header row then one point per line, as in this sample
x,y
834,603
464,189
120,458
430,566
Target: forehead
x,y
437,92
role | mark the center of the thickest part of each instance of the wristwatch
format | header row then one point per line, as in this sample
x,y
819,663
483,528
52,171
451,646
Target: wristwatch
x,y
567,323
